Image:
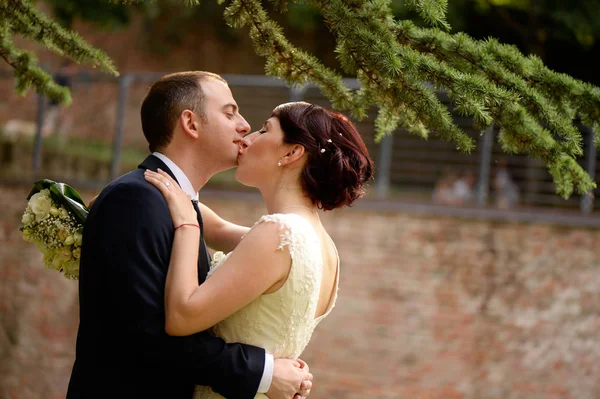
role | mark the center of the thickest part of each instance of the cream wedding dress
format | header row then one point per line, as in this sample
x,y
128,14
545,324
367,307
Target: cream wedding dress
x,y
281,322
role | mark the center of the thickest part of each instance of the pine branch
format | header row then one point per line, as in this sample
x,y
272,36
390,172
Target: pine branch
x,y
433,12
467,54
31,23
26,73
21,18
488,92
399,67
372,48
286,61
555,99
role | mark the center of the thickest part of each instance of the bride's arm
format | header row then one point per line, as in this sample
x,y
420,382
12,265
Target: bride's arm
x,y
219,233
252,269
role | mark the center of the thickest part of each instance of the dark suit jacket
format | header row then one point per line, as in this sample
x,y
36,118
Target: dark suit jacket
x,y
122,348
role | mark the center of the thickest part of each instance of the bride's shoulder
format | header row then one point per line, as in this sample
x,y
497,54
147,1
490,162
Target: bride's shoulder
x,y
279,220
285,229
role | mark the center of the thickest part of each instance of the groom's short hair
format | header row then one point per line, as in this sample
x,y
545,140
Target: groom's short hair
x,y
166,99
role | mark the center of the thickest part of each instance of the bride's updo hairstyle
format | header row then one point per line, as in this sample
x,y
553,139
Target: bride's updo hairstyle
x,y
338,163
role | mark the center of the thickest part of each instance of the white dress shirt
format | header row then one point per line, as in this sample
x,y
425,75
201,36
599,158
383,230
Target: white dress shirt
x,y
186,186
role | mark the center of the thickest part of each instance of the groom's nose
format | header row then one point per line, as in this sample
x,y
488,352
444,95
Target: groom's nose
x,y
243,126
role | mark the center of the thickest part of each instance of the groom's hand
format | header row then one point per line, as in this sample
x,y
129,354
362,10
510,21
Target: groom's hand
x,y
92,201
291,379
306,385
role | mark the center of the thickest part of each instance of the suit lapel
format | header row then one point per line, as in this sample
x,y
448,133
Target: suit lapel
x,y
153,163
203,256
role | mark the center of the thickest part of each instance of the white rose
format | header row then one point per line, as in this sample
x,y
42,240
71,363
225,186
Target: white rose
x,y
76,253
27,218
56,262
77,237
69,240
62,235
54,211
71,269
64,213
64,254
40,204
27,235
42,248
48,258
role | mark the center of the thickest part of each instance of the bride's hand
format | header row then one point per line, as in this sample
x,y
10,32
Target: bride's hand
x,y
180,204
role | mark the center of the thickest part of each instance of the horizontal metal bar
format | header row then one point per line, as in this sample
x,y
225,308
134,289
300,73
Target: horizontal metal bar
x,y
510,216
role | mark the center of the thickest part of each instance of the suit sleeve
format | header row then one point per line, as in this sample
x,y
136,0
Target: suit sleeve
x,y
135,222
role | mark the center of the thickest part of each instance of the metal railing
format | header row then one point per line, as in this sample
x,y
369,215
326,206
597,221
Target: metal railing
x,y
408,169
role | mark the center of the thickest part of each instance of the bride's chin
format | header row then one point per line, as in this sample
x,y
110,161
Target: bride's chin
x,y
240,178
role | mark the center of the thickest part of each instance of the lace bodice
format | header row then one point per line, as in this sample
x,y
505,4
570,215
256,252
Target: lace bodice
x,y
281,322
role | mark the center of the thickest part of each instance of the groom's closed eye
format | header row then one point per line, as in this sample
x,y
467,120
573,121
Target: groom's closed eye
x,y
230,110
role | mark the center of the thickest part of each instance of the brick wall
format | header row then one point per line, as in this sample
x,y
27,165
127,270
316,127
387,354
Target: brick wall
x,y
429,307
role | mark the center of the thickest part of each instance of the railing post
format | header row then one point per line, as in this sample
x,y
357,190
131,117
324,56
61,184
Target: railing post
x,y
125,81
383,176
587,200
485,161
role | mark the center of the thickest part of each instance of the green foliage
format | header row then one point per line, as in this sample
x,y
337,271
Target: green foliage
x,y
401,67
106,14
19,17
64,195
563,19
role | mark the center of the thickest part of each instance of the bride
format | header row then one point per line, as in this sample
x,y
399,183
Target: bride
x,y
282,278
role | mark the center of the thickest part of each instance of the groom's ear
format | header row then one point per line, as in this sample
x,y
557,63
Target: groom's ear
x,y
189,123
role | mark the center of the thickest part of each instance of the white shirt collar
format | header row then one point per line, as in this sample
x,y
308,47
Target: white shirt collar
x,y
183,180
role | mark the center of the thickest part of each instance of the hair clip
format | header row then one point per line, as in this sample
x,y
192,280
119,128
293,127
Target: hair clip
x,y
322,150
329,140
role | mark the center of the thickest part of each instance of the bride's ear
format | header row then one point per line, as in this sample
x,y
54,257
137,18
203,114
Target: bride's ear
x,y
295,152
190,124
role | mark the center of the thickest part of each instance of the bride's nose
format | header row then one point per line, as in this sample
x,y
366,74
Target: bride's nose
x,y
244,143
250,137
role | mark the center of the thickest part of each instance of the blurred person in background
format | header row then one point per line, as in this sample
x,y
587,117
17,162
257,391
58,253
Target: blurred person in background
x,y
58,119
506,191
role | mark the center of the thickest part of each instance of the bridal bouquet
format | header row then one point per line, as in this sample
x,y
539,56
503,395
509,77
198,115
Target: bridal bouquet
x,y
54,220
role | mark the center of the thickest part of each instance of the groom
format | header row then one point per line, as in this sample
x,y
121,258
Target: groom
x,y
194,130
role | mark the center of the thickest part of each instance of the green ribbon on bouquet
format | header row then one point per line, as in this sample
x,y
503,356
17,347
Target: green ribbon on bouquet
x,y
64,195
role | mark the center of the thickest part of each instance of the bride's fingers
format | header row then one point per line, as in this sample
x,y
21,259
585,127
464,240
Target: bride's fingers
x,y
168,178
167,182
153,179
159,182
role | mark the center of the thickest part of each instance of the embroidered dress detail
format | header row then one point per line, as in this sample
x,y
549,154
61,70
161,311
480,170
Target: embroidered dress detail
x,y
281,322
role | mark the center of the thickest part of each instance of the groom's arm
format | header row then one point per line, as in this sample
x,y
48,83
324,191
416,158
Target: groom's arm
x,y
219,233
138,230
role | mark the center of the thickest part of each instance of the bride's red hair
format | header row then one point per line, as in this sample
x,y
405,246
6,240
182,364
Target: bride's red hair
x,y
338,162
